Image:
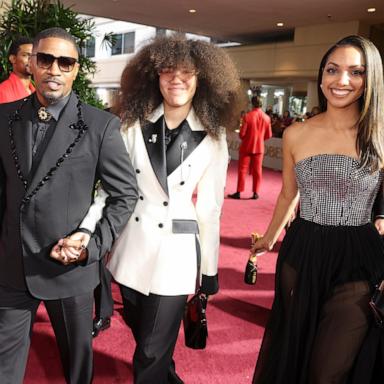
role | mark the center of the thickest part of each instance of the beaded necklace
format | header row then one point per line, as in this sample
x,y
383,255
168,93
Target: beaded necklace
x,y
79,125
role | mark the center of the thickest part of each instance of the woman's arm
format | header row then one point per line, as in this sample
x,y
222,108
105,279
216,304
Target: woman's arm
x,y
288,197
378,210
95,211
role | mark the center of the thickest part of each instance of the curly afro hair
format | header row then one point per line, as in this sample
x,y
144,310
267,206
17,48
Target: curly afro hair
x,y
217,100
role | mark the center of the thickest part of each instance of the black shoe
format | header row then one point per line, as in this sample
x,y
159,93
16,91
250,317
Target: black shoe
x,y
100,324
173,378
235,195
255,196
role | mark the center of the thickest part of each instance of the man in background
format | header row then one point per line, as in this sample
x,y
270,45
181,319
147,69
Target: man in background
x,y
18,85
256,128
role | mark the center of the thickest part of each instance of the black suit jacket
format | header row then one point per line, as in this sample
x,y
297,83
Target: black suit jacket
x,y
28,231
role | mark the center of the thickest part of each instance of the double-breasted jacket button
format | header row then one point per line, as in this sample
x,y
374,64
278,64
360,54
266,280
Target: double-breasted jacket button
x,y
182,182
165,203
161,225
136,218
141,197
137,170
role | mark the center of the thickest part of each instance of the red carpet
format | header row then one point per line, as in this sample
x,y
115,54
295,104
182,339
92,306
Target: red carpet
x,y
236,316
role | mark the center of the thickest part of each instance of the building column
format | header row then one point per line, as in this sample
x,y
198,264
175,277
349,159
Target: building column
x,y
245,85
312,98
287,95
270,97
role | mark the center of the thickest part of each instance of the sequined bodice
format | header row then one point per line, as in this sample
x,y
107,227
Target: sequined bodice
x,y
335,191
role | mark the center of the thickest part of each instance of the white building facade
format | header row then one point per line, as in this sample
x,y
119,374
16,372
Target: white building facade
x,y
111,61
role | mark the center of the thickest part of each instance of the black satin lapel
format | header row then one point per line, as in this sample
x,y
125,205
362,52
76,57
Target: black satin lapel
x,y
62,137
187,139
22,132
153,134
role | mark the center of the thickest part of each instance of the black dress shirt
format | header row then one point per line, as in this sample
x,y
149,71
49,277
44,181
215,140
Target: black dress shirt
x,y
42,131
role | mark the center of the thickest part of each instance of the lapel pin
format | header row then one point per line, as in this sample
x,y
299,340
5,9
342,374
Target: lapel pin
x,y
153,138
43,115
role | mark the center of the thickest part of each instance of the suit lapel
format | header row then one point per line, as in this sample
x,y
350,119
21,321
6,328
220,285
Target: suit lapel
x,y
186,141
22,132
62,137
153,134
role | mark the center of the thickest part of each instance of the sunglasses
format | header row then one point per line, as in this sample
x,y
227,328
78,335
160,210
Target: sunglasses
x,y
46,60
169,74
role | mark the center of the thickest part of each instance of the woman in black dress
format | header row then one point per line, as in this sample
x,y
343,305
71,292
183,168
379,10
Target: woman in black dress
x,y
332,255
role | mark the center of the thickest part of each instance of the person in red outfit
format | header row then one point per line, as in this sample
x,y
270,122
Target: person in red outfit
x,y
256,128
18,85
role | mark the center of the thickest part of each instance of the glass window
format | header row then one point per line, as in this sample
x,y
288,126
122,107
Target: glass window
x,y
129,42
124,43
117,47
89,48
161,32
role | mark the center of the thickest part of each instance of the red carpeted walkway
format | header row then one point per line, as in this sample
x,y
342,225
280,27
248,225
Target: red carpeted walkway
x,y
236,316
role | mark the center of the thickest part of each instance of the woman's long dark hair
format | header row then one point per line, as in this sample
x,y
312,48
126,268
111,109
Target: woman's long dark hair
x,y
217,98
370,134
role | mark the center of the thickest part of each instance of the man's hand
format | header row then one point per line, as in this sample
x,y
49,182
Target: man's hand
x,y
72,249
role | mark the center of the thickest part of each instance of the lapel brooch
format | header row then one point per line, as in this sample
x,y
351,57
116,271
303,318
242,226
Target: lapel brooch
x,y
43,115
153,138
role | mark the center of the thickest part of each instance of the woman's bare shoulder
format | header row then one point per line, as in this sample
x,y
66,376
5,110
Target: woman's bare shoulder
x,y
304,129
294,131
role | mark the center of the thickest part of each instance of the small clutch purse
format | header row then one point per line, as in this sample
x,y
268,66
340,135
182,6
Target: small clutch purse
x,y
250,274
377,304
195,322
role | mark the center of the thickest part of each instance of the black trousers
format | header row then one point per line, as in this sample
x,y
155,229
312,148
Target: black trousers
x,y
103,294
155,322
71,320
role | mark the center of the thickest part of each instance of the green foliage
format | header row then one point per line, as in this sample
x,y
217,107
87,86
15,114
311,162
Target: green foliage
x,y
28,17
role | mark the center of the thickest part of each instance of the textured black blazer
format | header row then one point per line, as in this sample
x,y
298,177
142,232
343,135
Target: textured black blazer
x,y
53,205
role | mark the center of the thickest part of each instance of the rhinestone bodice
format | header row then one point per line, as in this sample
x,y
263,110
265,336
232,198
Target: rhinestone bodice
x,y
334,190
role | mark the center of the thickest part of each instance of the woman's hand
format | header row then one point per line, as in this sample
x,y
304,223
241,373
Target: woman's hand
x,y
261,245
379,224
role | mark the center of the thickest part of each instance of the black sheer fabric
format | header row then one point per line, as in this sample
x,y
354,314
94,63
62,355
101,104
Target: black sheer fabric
x,y
320,315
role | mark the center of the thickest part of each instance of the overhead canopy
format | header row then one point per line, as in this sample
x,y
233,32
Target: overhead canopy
x,y
241,20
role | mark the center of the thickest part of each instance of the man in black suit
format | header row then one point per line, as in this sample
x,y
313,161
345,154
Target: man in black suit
x,y
53,148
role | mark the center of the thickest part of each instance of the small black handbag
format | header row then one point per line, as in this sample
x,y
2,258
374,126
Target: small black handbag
x,y
195,322
377,304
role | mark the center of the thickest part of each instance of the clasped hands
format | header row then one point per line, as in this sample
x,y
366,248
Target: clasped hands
x,y
71,249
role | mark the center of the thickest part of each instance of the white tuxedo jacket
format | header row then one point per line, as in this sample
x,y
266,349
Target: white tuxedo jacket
x,y
153,254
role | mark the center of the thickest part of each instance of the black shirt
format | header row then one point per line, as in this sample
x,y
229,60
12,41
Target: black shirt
x,y
40,128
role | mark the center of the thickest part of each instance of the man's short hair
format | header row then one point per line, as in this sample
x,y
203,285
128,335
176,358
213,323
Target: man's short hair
x,y
55,32
15,46
256,102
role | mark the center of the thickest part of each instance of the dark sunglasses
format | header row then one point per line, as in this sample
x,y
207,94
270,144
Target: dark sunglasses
x,y
45,60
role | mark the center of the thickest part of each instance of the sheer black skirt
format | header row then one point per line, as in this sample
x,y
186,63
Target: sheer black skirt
x,y
320,315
